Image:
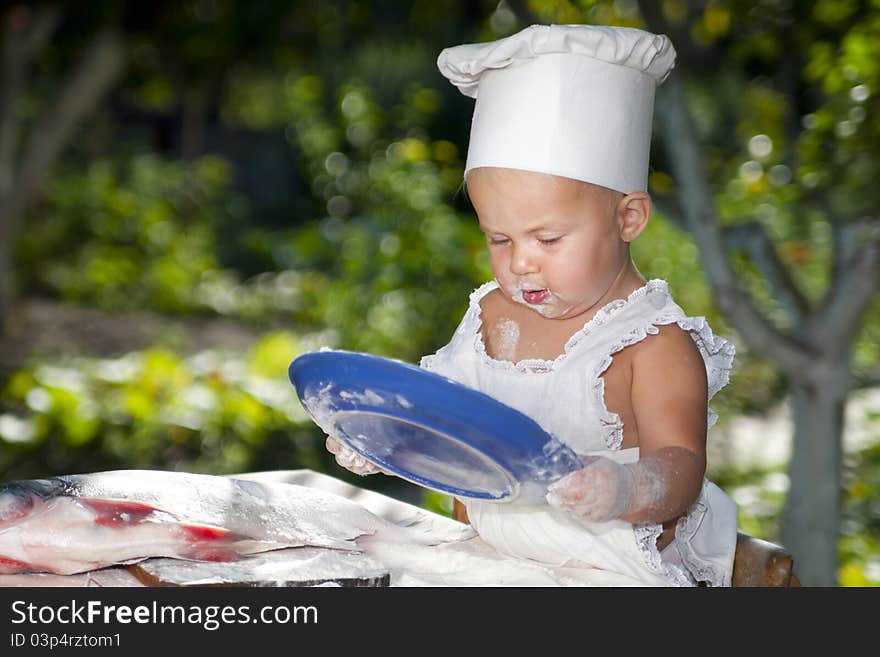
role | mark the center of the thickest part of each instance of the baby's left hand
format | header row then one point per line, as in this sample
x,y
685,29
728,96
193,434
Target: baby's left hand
x,y
602,490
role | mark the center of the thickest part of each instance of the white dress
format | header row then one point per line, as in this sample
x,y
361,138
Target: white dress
x,y
566,397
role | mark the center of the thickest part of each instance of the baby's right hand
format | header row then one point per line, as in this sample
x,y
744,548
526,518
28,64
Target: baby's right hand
x,y
602,490
349,459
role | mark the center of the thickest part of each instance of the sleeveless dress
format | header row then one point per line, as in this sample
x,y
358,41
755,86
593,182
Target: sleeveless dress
x,y
566,397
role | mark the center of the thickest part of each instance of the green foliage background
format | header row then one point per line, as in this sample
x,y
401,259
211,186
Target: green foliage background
x,y
373,247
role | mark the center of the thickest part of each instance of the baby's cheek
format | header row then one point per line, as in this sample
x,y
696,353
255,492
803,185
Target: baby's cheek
x,y
498,263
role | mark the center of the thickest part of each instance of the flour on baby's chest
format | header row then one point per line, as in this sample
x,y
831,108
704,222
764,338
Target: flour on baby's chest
x,y
513,340
504,339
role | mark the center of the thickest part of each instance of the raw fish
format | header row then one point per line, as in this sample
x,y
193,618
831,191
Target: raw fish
x,y
81,522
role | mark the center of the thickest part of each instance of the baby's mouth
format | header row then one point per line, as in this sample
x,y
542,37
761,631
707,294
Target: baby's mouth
x,y
535,297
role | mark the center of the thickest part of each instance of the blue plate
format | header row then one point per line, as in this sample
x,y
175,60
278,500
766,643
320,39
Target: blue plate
x,y
428,429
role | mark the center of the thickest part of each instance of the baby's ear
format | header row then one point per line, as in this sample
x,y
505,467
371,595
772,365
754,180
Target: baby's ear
x,y
633,212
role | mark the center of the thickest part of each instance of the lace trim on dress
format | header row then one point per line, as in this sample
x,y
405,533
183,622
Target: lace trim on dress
x,y
646,538
612,425
718,354
539,365
685,529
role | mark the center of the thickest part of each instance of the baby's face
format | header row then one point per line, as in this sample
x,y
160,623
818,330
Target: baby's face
x,y
554,242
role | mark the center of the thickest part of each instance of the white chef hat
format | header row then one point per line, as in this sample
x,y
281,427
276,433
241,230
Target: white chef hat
x,y
570,100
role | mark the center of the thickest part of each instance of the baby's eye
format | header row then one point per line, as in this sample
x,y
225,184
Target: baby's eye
x,y
549,240
496,241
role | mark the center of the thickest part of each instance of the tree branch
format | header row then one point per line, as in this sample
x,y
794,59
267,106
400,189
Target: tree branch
x,y
851,292
24,35
847,234
680,35
101,65
751,238
872,380
697,201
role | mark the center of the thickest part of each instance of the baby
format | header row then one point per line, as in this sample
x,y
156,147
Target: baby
x,y
569,332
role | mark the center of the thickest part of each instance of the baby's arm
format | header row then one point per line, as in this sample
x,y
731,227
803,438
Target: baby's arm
x,y
669,401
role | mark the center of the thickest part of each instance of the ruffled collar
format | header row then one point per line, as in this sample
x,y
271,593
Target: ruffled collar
x,y
603,315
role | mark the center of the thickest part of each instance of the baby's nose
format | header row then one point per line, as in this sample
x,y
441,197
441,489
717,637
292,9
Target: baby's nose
x,y
523,261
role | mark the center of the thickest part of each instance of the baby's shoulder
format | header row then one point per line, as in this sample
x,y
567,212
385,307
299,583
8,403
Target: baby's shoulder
x,y
670,351
667,336
489,296
491,305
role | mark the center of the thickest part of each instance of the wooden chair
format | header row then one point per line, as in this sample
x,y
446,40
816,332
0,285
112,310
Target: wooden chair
x,y
756,562
761,563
